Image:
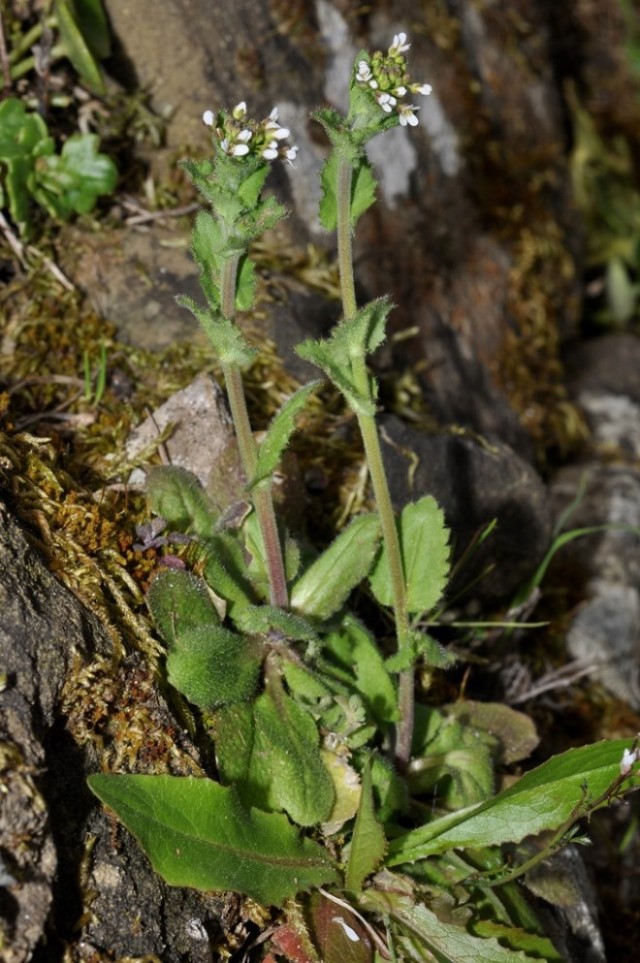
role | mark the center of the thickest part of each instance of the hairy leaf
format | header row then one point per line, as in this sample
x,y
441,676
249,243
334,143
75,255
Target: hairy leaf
x,y
179,602
286,762
424,544
368,844
363,191
197,834
229,344
354,652
279,433
325,586
213,666
176,495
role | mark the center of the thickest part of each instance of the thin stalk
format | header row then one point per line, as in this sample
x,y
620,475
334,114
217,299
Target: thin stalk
x,y
262,500
373,451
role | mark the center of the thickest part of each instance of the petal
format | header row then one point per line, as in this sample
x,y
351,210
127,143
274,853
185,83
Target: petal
x,y
244,136
208,118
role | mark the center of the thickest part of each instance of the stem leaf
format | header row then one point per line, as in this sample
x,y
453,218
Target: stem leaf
x,y
227,341
363,191
424,544
279,433
197,834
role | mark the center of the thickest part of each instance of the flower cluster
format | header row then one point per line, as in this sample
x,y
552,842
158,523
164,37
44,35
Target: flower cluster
x,y
239,135
387,77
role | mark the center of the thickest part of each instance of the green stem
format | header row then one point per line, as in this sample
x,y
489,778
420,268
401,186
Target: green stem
x,y
373,452
262,500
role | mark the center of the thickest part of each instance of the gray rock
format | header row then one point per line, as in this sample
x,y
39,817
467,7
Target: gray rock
x,y
475,481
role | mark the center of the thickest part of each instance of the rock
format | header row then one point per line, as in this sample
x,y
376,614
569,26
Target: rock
x,y
475,481
68,875
196,413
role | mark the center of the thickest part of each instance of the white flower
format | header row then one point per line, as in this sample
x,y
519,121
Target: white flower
x,y
208,118
240,110
399,91
364,74
281,133
270,152
406,114
399,44
274,114
629,759
424,89
244,136
291,153
239,150
387,102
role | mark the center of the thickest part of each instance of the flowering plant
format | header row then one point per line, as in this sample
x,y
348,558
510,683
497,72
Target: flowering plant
x,y
324,763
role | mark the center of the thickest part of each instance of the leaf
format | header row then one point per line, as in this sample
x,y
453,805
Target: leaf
x,y
424,544
424,936
230,345
225,571
325,586
350,342
21,135
94,26
197,834
213,666
72,181
179,602
176,495
368,845
279,433
356,654
209,664
363,191
269,620
346,784
339,934
286,764
543,799
76,47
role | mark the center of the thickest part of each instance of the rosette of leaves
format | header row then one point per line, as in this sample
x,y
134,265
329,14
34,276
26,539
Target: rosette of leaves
x,y
64,183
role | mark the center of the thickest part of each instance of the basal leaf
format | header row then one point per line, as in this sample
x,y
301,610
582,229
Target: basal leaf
x,y
71,182
286,762
352,649
325,586
543,799
197,834
176,495
424,544
179,602
368,844
213,666
270,620
279,433
423,936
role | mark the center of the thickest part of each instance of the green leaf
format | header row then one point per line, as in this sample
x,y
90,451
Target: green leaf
x,y
225,571
76,47
227,341
22,134
233,737
543,799
352,340
352,649
363,191
279,433
210,665
176,495
286,765
424,544
213,666
269,621
423,936
196,834
72,182
179,602
325,586
368,845
94,26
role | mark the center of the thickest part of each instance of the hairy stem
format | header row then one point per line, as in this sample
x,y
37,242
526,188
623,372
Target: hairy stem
x,y
371,441
262,500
